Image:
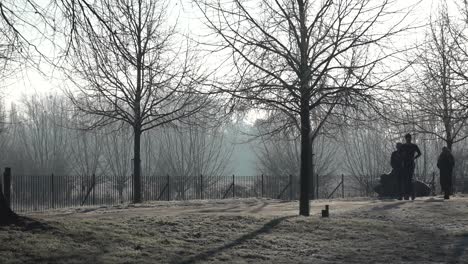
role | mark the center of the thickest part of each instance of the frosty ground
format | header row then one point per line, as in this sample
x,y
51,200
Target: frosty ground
x,y
428,230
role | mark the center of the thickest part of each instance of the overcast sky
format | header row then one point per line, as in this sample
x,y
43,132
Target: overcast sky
x,y
29,81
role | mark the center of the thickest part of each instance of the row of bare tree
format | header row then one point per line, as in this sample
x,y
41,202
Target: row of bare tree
x,y
310,68
41,137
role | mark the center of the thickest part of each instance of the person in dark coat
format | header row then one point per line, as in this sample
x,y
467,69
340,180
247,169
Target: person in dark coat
x,y
410,153
396,161
445,163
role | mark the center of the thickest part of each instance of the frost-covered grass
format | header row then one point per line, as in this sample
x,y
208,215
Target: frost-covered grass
x,y
247,231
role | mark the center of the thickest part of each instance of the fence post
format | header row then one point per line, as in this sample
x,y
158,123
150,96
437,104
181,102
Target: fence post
x,y
290,187
53,191
317,186
131,187
201,186
233,187
183,186
262,186
168,189
7,187
342,186
94,188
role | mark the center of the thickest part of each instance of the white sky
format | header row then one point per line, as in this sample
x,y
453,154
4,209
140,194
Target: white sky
x,y
29,81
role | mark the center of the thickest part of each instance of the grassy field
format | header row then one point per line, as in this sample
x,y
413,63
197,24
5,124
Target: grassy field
x,y
427,230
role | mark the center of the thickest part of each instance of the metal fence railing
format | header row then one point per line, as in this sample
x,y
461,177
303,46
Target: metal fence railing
x,y
42,192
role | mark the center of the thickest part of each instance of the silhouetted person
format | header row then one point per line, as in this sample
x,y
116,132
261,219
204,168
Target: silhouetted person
x,y
410,152
396,161
445,163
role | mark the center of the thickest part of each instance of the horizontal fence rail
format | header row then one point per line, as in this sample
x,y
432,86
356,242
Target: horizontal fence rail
x,y
42,192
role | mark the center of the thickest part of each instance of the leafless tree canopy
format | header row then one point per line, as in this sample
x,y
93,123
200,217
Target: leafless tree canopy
x,y
42,139
279,49
309,70
434,94
294,56
131,66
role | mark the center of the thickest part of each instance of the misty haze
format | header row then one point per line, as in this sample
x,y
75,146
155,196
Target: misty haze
x,y
228,131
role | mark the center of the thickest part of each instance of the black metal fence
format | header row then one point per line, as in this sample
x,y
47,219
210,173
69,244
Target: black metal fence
x,y
43,192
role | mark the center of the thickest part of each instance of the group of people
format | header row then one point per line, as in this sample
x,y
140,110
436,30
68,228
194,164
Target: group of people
x,y
403,164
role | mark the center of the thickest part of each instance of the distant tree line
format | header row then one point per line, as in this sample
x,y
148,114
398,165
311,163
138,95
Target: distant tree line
x,y
43,135
330,80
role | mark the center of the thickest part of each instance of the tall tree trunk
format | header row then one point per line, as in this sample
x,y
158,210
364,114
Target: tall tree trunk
x,y
7,216
137,125
306,146
306,158
136,165
313,176
449,142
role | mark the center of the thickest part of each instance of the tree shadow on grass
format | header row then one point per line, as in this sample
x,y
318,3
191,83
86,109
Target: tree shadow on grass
x,y
260,208
434,199
388,206
232,209
24,223
203,256
459,249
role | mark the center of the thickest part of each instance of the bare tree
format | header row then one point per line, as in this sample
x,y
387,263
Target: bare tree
x,y
435,92
10,49
366,156
184,151
86,149
294,56
130,66
39,137
8,46
279,155
195,151
87,152
6,214
118,151
461,165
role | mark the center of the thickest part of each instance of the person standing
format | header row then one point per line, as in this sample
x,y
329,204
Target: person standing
x,y
410,152
396,161
445,163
